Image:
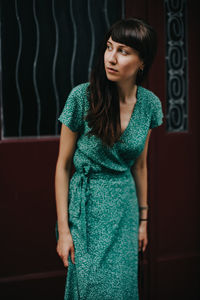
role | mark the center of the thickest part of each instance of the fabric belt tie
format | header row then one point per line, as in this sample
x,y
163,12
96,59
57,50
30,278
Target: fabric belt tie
x,y
77,205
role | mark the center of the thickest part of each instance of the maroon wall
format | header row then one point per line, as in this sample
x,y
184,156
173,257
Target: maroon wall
x,y
172,259
29,262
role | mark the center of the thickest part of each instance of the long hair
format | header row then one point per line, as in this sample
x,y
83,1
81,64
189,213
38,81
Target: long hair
x,y
103,116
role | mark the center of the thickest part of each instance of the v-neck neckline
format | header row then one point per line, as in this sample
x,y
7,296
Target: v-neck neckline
x,y
133,112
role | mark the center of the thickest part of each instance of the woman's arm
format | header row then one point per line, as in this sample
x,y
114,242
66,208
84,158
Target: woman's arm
x,y
67,146
139,171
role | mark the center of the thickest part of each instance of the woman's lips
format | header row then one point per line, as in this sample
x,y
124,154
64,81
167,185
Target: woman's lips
x,y
111,70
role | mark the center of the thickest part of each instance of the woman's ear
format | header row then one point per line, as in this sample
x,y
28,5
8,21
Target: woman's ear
x,y
142,66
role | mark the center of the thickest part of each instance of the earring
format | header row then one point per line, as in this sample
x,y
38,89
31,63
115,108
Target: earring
x,y
141,71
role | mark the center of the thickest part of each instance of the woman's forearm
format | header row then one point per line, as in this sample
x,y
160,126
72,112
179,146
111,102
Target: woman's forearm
x,y
62,176
140,177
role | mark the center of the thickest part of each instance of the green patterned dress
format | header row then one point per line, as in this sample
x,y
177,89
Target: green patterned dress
x,y
103,207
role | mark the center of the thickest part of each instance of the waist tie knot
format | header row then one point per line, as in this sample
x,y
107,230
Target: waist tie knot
x,y
78,197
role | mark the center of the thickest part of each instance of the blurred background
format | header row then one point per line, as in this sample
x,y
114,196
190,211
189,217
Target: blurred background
x,y
46,48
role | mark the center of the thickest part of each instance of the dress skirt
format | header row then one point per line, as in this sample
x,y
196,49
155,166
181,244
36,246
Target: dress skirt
x,y
103,220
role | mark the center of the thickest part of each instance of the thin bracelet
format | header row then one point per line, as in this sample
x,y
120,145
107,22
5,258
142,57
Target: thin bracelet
x,y
143,219
143,207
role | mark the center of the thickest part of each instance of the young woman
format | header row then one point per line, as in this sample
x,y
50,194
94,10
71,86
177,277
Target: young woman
x,y
102,209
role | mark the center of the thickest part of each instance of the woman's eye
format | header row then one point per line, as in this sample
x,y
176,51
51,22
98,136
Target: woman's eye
x,y
109,47
123,51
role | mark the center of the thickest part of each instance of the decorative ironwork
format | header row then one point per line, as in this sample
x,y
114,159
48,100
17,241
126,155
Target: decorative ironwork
x,y
54,67
17,71
176,66
47,48
35,70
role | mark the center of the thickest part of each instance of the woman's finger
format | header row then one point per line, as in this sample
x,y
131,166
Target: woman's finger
x,y
144,245
72,254
65,260
140,245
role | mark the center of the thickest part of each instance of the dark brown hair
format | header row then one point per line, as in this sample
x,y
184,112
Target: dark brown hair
x,y
103,116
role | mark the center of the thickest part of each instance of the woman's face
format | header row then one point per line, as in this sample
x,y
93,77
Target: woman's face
x,y
121,62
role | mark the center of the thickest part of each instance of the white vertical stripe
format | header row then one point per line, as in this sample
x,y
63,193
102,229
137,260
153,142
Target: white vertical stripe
x,y
34,71
92,39
106,13
54,67
17,72
75,44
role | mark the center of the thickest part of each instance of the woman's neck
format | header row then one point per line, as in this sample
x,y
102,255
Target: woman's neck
x,y
127,91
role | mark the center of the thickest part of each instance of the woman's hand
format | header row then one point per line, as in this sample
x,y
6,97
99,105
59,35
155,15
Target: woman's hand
x,y
142,236
64,245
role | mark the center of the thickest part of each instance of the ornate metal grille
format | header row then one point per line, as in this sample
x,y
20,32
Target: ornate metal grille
x,y
47,47
176,66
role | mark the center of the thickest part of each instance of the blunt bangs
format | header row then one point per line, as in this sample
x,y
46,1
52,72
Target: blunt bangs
x,y
134,34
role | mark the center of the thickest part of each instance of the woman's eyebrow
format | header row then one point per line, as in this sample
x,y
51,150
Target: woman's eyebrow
x,y
120,45
124,46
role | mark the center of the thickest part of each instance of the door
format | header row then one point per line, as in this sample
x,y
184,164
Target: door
x,y
171,262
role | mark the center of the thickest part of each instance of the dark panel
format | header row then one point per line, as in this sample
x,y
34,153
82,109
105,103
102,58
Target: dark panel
x,y
28,212
40,289
47,48
184,280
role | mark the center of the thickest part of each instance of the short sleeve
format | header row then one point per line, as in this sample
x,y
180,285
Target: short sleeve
x,y
72,114
157,113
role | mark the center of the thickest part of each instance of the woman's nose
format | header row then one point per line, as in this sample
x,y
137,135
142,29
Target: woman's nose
x,y
112,57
